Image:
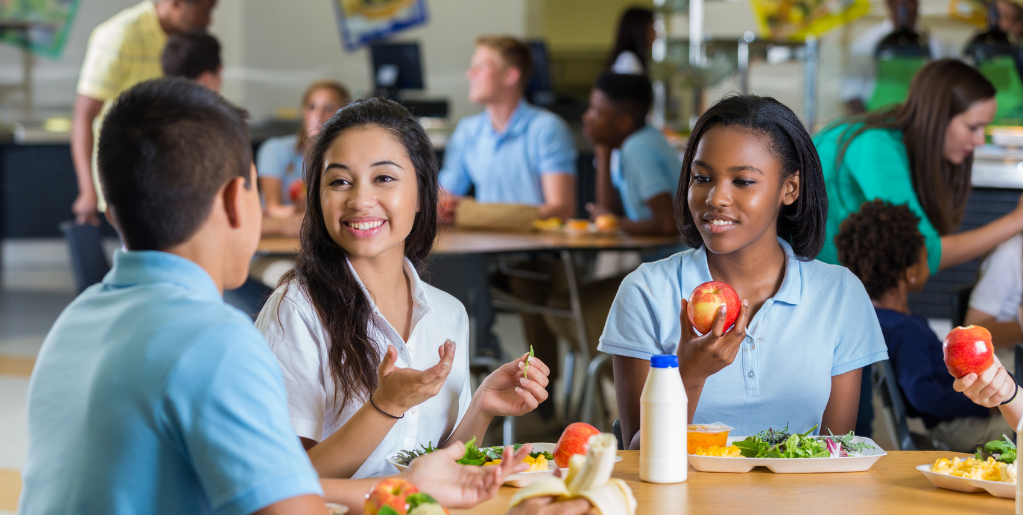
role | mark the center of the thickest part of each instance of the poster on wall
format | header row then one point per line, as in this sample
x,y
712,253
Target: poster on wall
x,y
795,19
365,21
39,26
973,12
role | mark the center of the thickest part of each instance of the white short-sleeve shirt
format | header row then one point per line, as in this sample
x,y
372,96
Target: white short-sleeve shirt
x,y
999,290
300,342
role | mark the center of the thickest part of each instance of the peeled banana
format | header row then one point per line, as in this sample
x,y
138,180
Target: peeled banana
x,y
589,477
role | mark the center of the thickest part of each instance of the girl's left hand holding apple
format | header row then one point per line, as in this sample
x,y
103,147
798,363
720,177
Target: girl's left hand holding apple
x,y
463,486
989,389
505,392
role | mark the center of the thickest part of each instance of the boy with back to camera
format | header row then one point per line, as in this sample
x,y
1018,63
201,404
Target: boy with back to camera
x,y
150,393
194,55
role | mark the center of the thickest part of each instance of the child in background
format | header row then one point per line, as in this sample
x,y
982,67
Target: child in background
x,y
637,170
751,204
279,160
882,245
193,55
354,327
150,393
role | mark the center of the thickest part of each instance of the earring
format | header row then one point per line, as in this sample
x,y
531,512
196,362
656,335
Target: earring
x,y
912,280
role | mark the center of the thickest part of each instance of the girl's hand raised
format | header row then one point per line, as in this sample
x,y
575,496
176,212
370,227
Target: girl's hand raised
x,y
399,389
700,357
463,486
505,392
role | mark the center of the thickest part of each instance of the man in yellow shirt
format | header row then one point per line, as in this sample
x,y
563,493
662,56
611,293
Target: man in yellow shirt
x,y
122,51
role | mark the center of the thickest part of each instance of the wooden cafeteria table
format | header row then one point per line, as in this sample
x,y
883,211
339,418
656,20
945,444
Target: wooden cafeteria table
x,y
892,485
456,241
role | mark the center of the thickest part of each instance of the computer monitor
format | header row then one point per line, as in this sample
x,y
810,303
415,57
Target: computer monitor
x,y
396,66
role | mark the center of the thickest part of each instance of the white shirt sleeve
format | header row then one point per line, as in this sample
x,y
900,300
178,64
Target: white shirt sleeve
x,y
1000,287
628,63
293,330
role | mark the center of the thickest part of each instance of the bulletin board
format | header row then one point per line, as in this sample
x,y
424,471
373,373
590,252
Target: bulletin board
x,y
49,23
364,21
795,19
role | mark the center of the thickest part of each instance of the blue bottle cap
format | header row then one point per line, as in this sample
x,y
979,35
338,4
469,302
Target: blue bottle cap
x,y
664,361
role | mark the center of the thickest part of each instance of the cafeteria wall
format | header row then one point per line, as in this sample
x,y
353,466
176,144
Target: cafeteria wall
x,y
273,49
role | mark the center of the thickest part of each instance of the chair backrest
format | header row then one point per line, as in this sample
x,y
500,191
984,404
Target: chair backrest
x,y
891,397
1018,355
960,303
88,260
616,429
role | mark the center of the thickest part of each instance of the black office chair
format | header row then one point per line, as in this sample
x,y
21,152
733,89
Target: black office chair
x,y
88,259
616,429
1018,355
960,302
895,409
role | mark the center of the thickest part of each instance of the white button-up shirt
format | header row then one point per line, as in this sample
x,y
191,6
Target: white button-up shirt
x,y
301,343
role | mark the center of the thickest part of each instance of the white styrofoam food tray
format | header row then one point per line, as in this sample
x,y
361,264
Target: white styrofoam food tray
x,y
522,478
970,486
790,465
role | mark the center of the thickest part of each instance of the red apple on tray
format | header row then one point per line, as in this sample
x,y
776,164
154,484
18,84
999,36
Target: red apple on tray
x,y
705,301
390,493
574,440
968,350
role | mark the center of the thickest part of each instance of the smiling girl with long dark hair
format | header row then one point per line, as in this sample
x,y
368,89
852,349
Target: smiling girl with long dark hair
x,y
751,204
355,329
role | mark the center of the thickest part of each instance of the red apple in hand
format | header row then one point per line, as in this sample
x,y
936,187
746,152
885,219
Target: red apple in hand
x,y
296,190
968,350
575,440
705,301
391,493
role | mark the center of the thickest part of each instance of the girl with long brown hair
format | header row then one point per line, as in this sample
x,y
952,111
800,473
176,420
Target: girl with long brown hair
x,y
279,160
355,329
919,153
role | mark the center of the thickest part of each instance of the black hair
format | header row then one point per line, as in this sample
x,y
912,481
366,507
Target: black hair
x,y
879,243
631,93
322,265
165,149
190,54
802,223
632,35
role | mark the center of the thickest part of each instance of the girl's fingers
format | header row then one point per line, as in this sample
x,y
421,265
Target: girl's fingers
x,y
740,323
533,388
527,399
436,374
542,372
540,365
961,384
683,318
387,362
718,329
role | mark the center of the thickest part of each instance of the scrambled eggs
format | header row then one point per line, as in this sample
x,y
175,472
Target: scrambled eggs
x,y
723,452
989,470
535,464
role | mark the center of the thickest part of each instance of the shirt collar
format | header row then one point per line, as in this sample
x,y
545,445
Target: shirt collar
x,y
791,285
135,267
517,123
420,299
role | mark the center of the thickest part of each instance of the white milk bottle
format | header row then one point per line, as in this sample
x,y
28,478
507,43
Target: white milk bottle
x,y
663,417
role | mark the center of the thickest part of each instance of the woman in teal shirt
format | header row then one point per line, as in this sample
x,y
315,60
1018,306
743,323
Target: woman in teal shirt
x,y
919,153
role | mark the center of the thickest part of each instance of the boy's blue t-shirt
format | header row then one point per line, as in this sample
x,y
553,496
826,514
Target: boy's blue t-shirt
x,y
818,325
151,395
507,167
919,365
646,166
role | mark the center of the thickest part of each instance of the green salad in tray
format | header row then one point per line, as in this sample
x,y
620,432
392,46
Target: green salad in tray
x,y
774,443
473,455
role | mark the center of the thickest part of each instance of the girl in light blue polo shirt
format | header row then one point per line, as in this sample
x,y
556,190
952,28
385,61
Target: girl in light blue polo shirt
x,y
751,203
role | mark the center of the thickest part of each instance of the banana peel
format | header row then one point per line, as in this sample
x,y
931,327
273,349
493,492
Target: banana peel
x,y
588,477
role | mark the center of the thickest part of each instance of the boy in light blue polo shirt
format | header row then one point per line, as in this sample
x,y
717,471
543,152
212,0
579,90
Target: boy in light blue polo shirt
x,y
150,394
512,152
637,170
